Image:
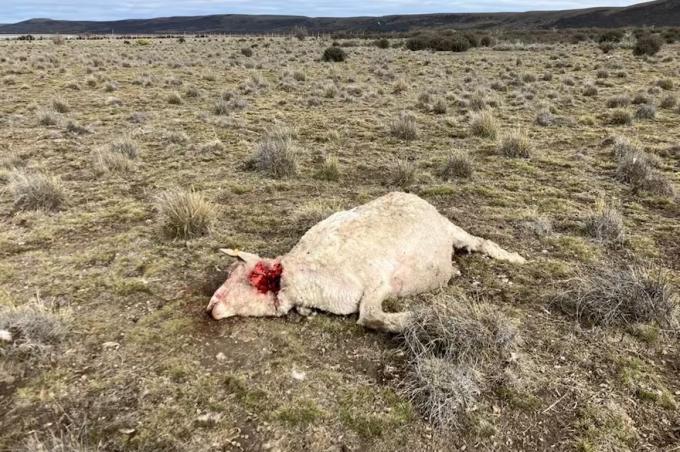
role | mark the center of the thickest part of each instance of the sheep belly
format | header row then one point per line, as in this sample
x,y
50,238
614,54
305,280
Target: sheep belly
x,y
398,239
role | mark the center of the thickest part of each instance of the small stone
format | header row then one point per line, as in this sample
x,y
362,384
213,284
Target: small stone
x,y
208,419
299,376
5,336
127,431
110,345
220,356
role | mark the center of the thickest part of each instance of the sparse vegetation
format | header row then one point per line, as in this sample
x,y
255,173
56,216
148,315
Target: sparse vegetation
x,y
138,365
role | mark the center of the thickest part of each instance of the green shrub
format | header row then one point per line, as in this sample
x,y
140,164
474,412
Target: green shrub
x,y
647,45
442,42
382,43
334,54
487,41
611,36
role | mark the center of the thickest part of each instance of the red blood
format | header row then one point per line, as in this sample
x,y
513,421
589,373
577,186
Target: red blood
x,y
266,279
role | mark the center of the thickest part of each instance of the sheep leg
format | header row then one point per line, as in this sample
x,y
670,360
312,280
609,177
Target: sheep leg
x,y
471,243
371,314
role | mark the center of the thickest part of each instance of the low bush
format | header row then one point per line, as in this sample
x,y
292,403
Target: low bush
x,y
334,54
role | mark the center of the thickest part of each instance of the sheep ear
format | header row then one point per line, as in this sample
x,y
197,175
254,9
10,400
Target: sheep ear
x,y
240,255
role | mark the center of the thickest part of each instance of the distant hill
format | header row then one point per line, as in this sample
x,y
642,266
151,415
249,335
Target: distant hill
x,y
656,13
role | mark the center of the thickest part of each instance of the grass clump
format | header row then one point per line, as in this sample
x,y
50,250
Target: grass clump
x,y
33,191
516,145
48,117
60,105
669,102
621,117
174,99
275,154
636,168
403,173
605,224
484,125
439,106
126,146
590,91
184,214
618,101
105,161
620,296
329,169
31,329
458,164
404,127
455,348
646,111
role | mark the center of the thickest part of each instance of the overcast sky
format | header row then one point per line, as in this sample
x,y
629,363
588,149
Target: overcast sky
x,y
17,10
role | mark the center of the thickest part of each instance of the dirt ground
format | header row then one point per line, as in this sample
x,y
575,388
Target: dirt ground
x,y
142,367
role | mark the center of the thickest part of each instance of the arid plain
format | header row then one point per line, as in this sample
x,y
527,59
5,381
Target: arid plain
x,y
560,152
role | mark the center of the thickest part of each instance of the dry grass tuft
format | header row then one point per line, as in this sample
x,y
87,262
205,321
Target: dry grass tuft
x,y
516,145
330,169
403,173
484,125
621,117
60,105
126,146
34,191
32,329
174,99
48,117
605,224
275,154
68,441
404,126
105,161
636,168
184,214
455,349
645,111
620,296
459,164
